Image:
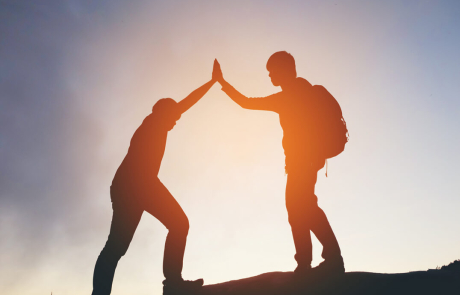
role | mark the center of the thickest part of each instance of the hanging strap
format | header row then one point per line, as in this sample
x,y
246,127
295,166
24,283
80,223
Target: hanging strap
x,y
326,167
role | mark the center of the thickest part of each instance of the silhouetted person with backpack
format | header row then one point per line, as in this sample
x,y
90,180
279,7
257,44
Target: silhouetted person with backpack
x,y
314,130
136,188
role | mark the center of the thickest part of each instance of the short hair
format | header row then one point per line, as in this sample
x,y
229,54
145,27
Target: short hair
x,y
282,60
165,107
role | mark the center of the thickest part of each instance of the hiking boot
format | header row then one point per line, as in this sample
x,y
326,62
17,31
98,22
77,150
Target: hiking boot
x,y
302,271
302,274
329,268
181,287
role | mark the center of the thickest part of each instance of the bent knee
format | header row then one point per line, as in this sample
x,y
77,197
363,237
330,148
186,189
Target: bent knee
x,y
184,225
180,226
114,251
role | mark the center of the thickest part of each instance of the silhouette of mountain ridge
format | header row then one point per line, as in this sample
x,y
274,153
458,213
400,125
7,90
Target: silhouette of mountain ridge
x,y
445,280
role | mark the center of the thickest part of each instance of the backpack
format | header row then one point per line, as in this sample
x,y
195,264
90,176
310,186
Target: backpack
x,y
330,129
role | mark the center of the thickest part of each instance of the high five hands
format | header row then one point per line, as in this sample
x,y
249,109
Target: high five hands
x,y
217,72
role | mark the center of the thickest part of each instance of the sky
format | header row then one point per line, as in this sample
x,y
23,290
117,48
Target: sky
x,y
78,77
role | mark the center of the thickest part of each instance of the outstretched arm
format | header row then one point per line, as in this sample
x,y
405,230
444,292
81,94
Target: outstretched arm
x,y
196,95
268,103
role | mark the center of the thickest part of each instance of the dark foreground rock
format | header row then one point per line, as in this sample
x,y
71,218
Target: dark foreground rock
x,y
284,283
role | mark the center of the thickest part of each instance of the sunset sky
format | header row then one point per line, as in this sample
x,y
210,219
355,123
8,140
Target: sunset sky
x,y
78,77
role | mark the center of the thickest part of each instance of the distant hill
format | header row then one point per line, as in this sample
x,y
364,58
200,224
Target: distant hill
x,y
444,280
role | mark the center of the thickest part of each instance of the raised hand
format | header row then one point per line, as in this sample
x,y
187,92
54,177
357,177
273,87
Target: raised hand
x,y
198,93
217,72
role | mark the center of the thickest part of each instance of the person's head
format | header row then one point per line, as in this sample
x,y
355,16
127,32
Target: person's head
x,y
166,112
281,68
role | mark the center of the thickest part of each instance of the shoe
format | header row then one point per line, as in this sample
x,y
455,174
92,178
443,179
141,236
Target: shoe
x,y
329,268
180,287
302,271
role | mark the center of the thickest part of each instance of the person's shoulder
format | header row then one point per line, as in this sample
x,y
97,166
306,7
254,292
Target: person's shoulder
x,y
299,88
302,82
148,125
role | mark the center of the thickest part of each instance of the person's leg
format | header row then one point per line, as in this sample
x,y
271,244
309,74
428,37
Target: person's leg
x,y
124,223
305,215
323,231
300,199
320,225
161,204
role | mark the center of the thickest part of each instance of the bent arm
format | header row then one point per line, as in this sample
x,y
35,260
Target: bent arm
x,y
194,97
235,95
268,103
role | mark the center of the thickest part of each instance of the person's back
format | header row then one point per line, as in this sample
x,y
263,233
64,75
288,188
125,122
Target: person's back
x,y
143,159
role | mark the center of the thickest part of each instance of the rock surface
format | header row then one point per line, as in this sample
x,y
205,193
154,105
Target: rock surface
x,y
284,283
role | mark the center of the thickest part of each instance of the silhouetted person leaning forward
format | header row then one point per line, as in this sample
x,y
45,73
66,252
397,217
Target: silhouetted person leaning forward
x,y
303,160
136,188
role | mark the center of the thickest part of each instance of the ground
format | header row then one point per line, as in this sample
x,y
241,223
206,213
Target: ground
x,y
438,281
